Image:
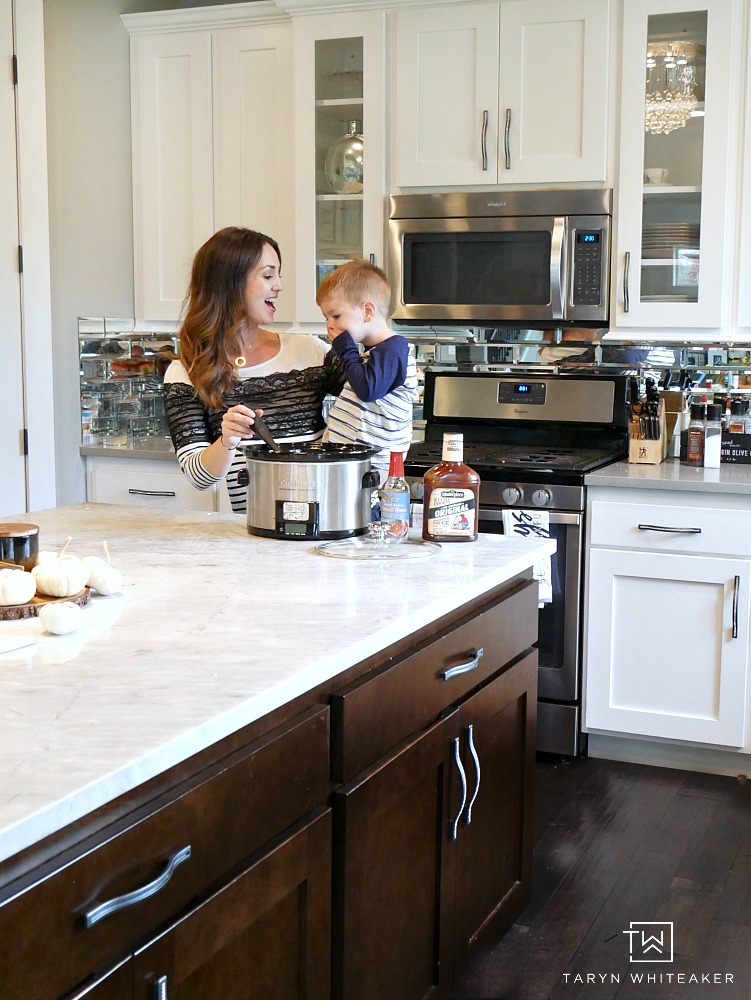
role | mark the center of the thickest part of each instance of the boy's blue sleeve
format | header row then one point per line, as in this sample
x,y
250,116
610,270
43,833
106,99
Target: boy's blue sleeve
x,y
384,370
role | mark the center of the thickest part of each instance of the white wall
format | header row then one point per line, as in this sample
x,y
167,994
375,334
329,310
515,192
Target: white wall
x,y
90,191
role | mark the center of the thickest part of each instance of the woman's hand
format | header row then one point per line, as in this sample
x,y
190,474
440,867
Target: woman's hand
x,y
237,424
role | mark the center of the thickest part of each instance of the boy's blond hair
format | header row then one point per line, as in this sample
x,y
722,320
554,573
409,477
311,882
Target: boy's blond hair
x,y
357,281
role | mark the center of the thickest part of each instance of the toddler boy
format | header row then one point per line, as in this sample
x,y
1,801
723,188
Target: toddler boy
x,y
375,405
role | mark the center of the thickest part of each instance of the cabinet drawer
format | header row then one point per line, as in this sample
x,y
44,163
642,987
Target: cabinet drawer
x,y
148,489
373,715
694,530
243,803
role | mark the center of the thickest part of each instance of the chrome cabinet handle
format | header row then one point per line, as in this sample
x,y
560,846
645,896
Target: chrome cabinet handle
x,y
373,260
152,493
463,668
736,594
557,267
506,139
626,269
463,776
158,990
476,759
484,140
663,527
130,898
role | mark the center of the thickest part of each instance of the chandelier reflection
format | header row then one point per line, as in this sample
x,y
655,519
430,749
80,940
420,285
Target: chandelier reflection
x,y
672,71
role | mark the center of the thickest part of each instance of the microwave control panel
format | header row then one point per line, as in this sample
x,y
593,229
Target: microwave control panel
x,y
586,287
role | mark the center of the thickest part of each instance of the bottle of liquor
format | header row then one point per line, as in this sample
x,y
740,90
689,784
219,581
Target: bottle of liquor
x,y
696,432
394,496
452,492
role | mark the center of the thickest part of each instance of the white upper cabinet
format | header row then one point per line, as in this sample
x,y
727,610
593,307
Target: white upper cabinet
x,y
212,127
489,93
675,200
743,267
339,142
254,145
173,210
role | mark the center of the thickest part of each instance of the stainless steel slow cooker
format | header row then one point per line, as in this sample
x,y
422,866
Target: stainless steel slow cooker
x,y
310,490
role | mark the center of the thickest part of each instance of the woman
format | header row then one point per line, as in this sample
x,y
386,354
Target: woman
x,y
231,368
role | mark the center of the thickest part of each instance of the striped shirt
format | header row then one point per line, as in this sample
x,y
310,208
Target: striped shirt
x,y
289,388
375,405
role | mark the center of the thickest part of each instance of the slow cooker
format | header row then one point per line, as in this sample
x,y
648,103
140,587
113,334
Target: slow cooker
x,y
310,490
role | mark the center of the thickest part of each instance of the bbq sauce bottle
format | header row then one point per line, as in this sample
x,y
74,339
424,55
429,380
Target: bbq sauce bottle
x,y
451,496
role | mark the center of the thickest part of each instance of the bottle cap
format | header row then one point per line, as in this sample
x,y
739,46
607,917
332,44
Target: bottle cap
x,y
714,412
738,407
698,411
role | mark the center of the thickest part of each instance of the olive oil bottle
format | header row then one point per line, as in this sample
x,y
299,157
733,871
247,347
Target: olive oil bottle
x,y
451,499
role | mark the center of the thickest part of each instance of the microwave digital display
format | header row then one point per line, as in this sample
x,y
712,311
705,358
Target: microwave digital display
x,y
587,237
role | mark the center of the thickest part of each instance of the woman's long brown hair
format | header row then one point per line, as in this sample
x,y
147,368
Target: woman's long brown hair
x,y
216,308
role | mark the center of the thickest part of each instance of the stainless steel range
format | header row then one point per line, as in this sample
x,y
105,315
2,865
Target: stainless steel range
x,y
532,439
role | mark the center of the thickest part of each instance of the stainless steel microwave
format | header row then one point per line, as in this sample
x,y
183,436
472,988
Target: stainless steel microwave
x,y
534,257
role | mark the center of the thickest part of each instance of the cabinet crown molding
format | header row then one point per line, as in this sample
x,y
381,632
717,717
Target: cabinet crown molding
x,y
228,15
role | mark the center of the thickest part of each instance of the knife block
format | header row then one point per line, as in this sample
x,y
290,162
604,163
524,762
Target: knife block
x,y
642,451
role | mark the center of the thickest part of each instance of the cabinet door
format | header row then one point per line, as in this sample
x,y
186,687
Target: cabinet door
x,y
254,152
667,645
393,872
743,268
114,985
446,101
554,74
673,210
264,936
172,165
494,837
340,78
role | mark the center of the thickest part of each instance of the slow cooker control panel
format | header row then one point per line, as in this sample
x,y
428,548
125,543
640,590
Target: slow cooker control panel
x,y
297,519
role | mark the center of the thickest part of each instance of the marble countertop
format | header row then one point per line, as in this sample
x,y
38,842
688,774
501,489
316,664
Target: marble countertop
x,y
214,628
672,475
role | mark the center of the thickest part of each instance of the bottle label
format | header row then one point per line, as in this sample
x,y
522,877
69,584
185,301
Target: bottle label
x,y
453,447
451,512
395,512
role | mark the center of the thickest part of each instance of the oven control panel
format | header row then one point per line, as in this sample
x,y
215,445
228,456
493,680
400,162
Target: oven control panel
x,y
529,393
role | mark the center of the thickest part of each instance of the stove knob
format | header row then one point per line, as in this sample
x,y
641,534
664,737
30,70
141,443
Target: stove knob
x,y
417,489
541,498
512,494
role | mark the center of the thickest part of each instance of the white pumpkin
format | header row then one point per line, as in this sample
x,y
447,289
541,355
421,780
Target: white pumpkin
x,y
103,577
60,619
61,577
16,587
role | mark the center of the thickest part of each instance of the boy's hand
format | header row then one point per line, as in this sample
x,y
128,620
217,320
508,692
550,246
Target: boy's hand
x,y
332,333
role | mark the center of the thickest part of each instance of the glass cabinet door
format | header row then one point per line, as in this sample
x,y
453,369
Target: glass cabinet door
x,y
672,199
340,135
339,151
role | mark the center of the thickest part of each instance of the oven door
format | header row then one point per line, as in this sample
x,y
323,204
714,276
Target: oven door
x,y
479,270
558,643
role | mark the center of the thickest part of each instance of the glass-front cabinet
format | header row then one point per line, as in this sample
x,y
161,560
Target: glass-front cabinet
x,y
340,63
678,94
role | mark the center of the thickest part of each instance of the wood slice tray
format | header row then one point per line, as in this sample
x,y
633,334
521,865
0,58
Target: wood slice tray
x,y
15,612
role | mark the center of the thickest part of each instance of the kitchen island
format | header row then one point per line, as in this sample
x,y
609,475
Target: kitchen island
x,y
224,650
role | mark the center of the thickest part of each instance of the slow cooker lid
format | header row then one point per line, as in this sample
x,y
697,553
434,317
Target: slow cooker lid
x,y
311,451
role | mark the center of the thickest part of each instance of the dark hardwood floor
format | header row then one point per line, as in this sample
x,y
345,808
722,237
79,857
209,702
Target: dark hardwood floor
x,y
618,843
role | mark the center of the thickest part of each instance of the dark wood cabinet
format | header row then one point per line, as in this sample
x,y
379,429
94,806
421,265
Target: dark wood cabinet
x,y
432,843
292,861
263,936
224,841
494,837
